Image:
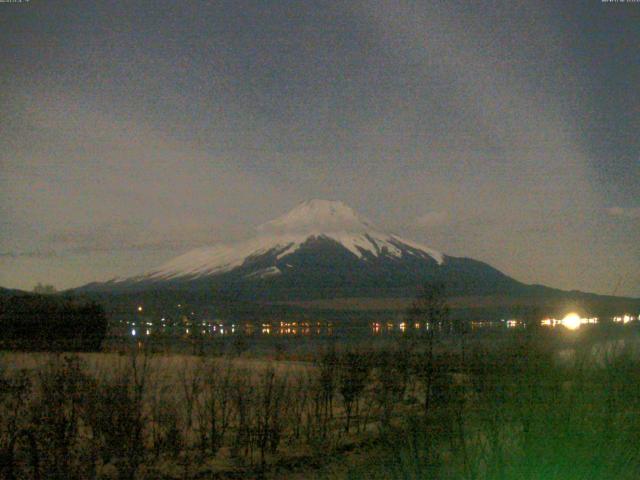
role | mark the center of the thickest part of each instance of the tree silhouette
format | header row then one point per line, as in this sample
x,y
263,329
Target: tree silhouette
x,y
430,308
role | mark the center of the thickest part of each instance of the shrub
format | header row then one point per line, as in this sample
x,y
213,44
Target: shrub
x,y
39,322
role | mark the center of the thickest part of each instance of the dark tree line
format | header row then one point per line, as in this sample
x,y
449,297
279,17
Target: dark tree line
x,y
39,322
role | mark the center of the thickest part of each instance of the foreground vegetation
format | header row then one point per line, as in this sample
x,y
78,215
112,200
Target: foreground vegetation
x,y
48,322
422,409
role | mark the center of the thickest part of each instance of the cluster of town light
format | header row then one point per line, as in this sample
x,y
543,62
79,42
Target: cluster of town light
x,y
191,326
571,321
378,327
267,329
624,319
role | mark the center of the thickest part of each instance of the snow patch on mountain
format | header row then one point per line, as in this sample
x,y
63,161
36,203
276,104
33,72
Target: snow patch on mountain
x,y
264,273
221,258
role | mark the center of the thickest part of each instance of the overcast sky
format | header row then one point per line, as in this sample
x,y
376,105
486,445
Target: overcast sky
x,y
503,131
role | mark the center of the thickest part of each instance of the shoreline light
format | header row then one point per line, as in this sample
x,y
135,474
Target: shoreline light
x,y
572,321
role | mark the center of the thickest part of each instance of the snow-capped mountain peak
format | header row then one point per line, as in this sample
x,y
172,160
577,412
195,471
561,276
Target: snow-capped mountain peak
x,y
311,221
318,216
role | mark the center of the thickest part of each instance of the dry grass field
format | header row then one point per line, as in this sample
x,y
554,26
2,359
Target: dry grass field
x,y
521,409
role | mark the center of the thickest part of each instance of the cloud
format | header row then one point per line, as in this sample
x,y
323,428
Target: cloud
x,y
28,254
431,219
622,212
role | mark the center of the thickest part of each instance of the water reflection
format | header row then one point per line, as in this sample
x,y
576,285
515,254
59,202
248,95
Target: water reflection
x,y
192,328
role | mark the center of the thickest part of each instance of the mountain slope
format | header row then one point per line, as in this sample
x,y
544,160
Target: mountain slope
x,y
311,221
8,292
320,249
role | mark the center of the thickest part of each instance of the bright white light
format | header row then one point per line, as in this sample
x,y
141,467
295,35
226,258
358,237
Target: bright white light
x,y
148,332
133,332
572,321
139,308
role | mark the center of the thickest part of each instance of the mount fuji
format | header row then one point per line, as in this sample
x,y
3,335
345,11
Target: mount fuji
x,y
320,249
